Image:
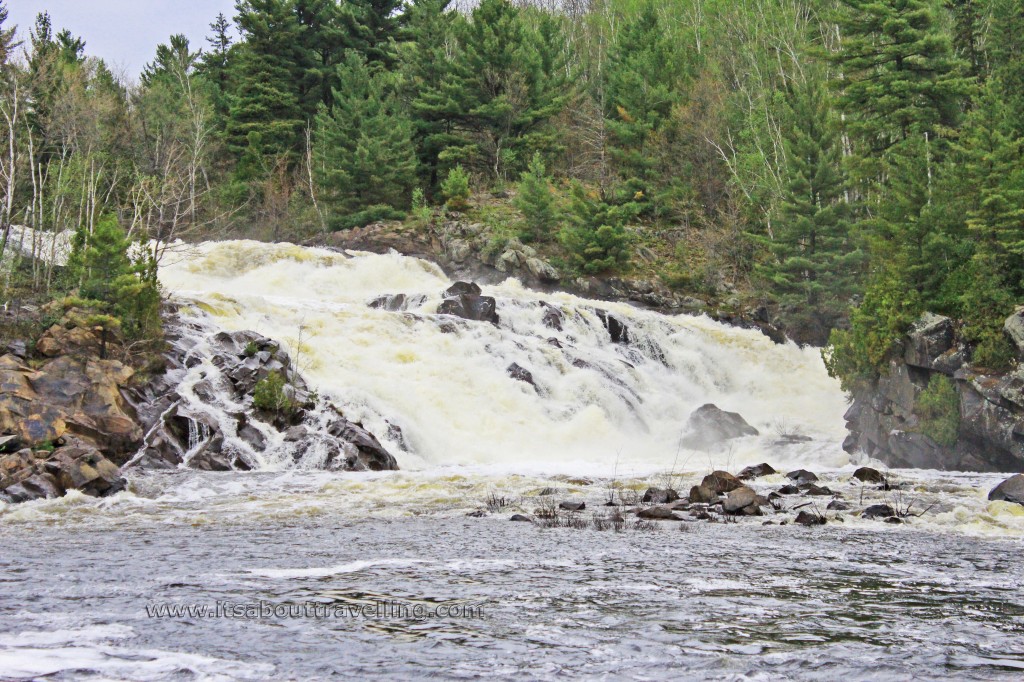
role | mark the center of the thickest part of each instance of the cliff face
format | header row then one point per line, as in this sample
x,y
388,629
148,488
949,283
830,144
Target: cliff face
x,y
885,419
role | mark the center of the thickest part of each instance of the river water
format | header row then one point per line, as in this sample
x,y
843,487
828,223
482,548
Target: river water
x,y
291,572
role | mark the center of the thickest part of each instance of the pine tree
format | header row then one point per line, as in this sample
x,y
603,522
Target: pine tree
x,y
642,82
364,147
215,64
815,267
7,42
265,114
968,34
1007,56
594,233
537,203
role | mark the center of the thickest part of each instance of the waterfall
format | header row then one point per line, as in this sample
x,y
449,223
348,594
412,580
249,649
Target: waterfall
x,y
554,384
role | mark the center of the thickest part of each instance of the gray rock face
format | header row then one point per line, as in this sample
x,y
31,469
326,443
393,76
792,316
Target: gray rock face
x,y
710,425
1010,490
884,424
1014,327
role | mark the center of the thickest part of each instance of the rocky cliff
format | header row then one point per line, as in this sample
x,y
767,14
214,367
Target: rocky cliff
x,y
987,417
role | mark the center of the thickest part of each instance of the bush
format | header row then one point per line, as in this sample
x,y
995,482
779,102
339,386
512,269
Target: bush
x,y
270,396
537,203
455,189
938,407
986,304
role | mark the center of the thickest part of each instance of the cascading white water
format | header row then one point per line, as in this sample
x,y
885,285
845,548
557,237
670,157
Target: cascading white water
x,y
447,387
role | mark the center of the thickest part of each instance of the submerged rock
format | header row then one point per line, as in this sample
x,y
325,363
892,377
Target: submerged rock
x,y
1010,490
806,518
710,425
660,512
573,506
878,511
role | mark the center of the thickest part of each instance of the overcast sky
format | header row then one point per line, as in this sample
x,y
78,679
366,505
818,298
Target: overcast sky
x,y
125,33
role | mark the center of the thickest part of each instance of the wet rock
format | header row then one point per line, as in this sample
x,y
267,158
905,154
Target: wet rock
x,y
572,506
868,475
709,425
553,317
894,519
756,471
806,518
739,498
878,511
659,496
838,505
815,490
702,494
721,482
789,490
396,302
370,455
660,513
520,374
463,300
802,476
617,330
1010,490
521,518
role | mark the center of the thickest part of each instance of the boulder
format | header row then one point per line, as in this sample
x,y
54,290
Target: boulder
x,y
929,338
1010,490
617,330
815,490
756,471
659,496
521,518
542,270
802,476
721,482
739,498
572,506
709,425
806,518
553,317
660,513
1014,327
789,490
463,300
868,475
878,511
838,505
702,494
520,374
28,475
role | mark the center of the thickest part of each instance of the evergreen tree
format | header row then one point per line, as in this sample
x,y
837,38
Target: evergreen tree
x,y
595,232
215,63
537,203
815,265
642,83
968,34
364,147
7,42
1007,56
171,59
265,113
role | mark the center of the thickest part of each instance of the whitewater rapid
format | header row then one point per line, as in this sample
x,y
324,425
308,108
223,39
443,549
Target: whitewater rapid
x,y
596,404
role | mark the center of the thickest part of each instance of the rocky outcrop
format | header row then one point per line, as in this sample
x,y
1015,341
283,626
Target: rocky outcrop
x,y
465,300
1010,490
33,474
884,422
710,425
203,413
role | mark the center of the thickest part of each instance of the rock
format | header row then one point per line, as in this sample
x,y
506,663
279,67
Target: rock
x,y
838,505
370,455
520,374
789,490
659,513
929,337
801,476
709,425
521,517
10,443
756,471
542,270
396,302
553,317
878,511
721,482
617,329
1010,490
814,490
18,349
573,506
738,499
806,518
659,496
1014,327
463,300
77,341
702,494
868,475
509,260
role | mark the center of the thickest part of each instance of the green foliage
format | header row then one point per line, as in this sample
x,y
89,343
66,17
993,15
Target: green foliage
x,y
938,408
986,303
251,349
537,203
594,234
455,189
270,395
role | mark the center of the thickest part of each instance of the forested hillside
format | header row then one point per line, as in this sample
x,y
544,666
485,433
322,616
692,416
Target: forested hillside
x,y
851,163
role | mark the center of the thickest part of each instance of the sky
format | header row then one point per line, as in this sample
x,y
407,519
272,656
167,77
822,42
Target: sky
x,y
124,33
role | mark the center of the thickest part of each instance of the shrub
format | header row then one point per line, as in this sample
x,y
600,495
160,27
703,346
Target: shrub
x,y
938,408
455,189
595,234
269,394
